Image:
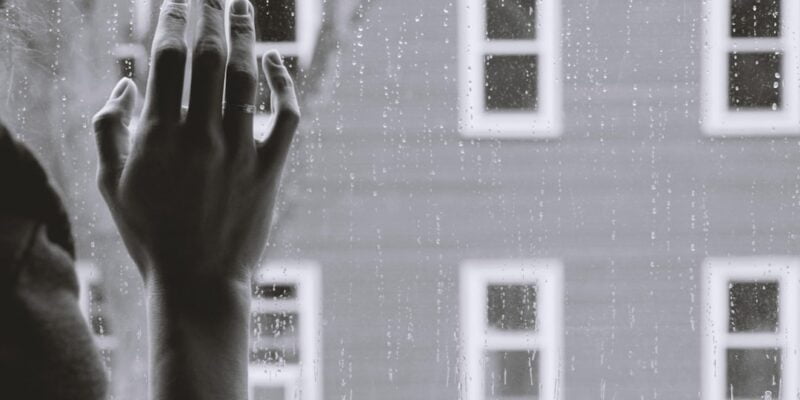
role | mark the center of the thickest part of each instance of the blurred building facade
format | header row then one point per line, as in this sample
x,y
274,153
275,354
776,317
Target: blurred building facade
x,y
487,199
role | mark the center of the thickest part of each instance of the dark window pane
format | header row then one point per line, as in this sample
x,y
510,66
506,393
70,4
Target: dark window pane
x,y
268,393
96,295
277,291
753,307
273,355
263,102
127,67
512,307
107,356
751,372
511,83
755,18
275,20
754,81
100,325
274,324
512,375
510,19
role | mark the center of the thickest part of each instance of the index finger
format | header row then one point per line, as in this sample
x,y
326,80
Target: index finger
x,y
165,83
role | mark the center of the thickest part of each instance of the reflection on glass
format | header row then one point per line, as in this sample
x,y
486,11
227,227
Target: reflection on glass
x,y
751,372
268,393
755,18
753,307
274,324
97,310
273,355
511,83
512,375
263,101
275,291
510,19
275,20
127,67
512,307
754,80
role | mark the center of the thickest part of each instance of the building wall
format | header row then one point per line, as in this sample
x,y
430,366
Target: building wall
x,y
387,196
632,197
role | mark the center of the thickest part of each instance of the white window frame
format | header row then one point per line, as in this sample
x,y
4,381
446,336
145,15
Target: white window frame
x,y
307,26
717,275
476,122
89,274
477,337
717,119
301,381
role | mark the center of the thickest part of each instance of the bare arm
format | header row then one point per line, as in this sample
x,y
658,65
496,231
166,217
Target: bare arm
x,y
192,195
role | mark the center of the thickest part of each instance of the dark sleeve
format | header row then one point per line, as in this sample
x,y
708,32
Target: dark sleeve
x,y
27,192
46,348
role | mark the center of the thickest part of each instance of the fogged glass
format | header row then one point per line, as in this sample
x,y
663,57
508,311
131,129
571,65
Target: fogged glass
x,y
751,372
754,81
512,307
98,310
512,375
510,19
511,83
275,20
127,67
275,291
263,99
753,307
268,393
274,337
755,18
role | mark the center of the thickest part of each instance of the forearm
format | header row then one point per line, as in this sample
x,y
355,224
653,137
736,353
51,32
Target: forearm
x,y
199,340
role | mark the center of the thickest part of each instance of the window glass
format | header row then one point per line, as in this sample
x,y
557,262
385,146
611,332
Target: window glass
x,y
755,81
511,82
512,375
512,307
127,67
268,393
755,18
510,19
753,307
751,372
275,20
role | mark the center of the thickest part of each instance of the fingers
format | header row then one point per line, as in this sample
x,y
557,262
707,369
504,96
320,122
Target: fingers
x,y
165,83
285,107
208,66
111,131
241,77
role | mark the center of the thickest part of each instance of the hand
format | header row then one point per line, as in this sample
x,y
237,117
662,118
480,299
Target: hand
x,y
192,195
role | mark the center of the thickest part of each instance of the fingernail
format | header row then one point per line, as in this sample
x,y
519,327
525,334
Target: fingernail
x,y
119,90
241,7
274,57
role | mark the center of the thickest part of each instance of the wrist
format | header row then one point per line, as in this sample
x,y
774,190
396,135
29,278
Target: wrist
x,y
200,298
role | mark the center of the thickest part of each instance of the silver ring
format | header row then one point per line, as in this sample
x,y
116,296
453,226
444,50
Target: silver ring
x,y
245,108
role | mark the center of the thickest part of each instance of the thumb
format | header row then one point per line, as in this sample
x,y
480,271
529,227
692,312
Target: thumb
x,y
111,132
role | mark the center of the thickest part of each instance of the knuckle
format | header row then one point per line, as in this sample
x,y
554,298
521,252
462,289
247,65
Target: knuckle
x,y
242,29
242,75
170,51
282,82
210,52
106,118
214,4
171,13
289,114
